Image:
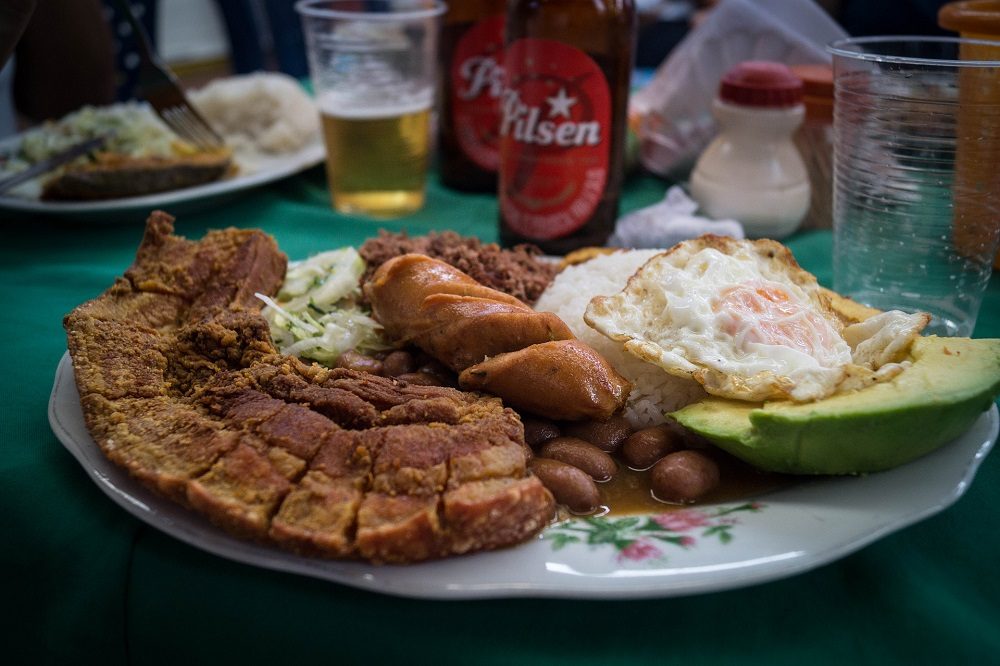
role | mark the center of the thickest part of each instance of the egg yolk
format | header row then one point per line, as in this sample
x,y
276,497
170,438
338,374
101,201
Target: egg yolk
x,y
766,314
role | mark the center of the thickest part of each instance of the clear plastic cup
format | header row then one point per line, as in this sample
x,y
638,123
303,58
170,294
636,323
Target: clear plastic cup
x,y
916,175
373,66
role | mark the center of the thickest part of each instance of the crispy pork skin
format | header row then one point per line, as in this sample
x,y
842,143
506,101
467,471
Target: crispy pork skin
x,y
181,386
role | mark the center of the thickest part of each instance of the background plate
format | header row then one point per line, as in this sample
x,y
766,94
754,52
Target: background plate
x,y
702,549
264,170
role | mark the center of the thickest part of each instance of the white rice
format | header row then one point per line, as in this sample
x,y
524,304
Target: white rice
x,y
264,112
654,392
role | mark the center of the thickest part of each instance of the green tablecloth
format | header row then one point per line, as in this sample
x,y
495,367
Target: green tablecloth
x,y
85,582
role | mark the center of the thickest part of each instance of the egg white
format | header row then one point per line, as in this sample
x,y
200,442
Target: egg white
x,y
742,319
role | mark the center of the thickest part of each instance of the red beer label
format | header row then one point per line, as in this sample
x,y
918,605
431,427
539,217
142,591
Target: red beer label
x,y
555,125
476,85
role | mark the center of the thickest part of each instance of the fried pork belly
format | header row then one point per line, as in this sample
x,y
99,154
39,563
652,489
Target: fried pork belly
x,y
181,386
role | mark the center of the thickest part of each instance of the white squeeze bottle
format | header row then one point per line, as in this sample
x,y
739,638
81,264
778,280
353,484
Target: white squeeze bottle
x,y
752,171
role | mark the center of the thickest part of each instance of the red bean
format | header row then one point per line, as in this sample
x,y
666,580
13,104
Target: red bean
x,y
571,486
356,361
398,363
606,435
644,447
538,431
584,455
683,477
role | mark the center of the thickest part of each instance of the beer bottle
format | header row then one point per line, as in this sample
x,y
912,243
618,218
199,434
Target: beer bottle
x,y
567,66
472,81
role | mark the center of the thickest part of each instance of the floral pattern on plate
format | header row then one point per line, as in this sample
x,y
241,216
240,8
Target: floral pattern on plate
x,y
638,539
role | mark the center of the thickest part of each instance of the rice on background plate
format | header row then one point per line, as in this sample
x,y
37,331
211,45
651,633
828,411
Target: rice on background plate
x,y
654,392
264,112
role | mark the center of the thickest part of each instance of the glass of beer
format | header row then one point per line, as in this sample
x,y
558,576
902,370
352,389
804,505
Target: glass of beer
x,y
373,67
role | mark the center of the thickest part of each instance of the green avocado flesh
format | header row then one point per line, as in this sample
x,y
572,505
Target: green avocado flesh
x,y
951,382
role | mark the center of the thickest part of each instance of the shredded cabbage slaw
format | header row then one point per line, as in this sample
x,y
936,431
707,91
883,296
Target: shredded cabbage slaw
x,y
317,313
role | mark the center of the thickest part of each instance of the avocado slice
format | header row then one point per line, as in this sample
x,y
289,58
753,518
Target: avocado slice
x,y
950,383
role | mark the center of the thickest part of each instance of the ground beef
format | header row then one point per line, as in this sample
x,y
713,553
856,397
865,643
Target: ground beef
x,y
519,271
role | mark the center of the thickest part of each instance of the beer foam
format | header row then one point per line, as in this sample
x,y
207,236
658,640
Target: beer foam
x,y
363,105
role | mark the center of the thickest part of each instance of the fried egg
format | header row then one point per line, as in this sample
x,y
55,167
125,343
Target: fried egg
x,y
744,320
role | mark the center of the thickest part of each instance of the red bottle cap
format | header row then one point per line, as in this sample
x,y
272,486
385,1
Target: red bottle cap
x,y
817,91
972,17
760,83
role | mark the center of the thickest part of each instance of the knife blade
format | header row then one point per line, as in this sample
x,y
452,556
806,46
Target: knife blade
x,y
46,165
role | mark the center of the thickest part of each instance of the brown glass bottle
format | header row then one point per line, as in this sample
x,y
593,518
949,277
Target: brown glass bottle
x,y
472,81
567,66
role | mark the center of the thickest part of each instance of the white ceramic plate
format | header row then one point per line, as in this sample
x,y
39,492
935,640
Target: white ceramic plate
x,y
261,171
695,550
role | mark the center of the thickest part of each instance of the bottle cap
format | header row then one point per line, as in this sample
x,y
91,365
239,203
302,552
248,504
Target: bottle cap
x,y
972,18
817,91
760,83
817,80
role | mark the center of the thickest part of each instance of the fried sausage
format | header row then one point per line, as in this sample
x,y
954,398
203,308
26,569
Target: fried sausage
x,y
398,288
563,380
482,327
498,344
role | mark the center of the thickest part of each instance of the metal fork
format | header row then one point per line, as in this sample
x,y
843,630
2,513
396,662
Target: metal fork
x,y
159,87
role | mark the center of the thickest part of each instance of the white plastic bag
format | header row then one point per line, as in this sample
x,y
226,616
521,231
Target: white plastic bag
x,y
673,111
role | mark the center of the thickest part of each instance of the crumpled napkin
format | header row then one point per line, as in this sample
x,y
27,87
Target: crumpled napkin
x,y
669,222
